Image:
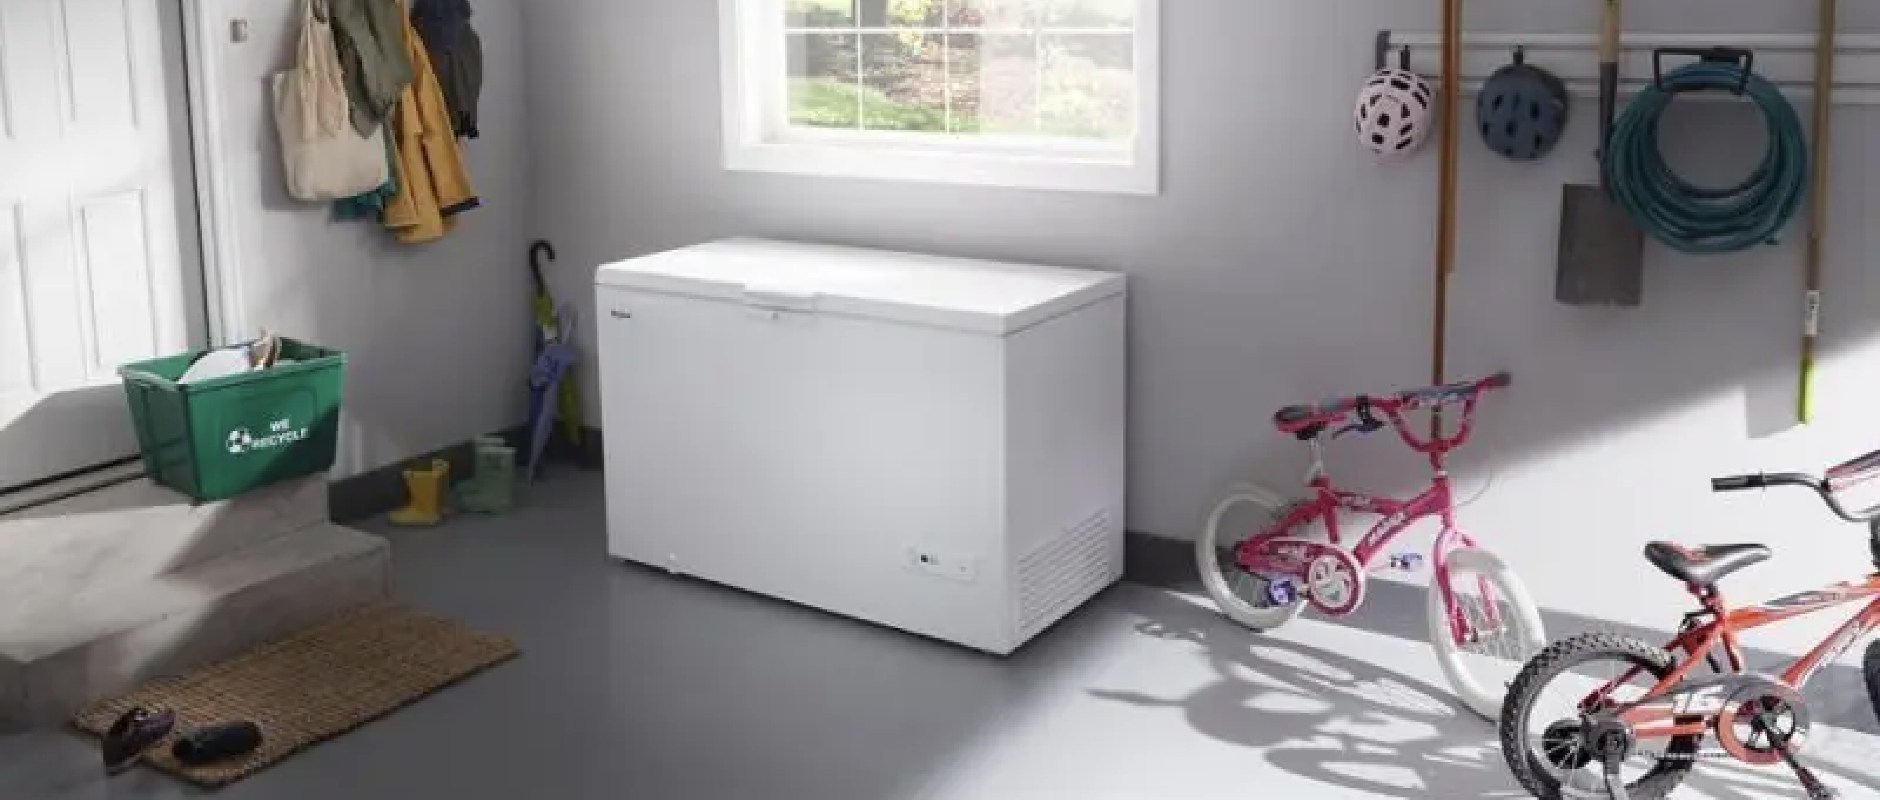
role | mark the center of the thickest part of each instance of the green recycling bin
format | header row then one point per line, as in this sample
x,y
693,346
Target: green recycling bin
x,y
218,438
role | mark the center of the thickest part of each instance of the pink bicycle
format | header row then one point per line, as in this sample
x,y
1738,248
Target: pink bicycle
x,y
1483,624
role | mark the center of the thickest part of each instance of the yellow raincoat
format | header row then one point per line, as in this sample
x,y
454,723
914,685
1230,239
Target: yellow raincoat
x,y
433,185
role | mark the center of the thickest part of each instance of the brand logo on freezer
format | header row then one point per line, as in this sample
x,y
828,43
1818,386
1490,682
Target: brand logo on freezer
x,y
281,432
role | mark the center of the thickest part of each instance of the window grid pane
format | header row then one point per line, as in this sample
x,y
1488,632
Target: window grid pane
x,y
820,79
912,65
904,87
819,14
1037,80
946,73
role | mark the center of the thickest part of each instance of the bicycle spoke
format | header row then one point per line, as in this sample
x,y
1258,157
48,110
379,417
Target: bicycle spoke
x,y
1491,638
1244,595
1250,587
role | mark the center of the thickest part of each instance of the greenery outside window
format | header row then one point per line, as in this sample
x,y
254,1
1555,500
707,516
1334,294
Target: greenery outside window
x,y
1056,94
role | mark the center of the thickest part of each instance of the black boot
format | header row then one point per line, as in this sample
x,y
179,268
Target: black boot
x,y
218,742
131,735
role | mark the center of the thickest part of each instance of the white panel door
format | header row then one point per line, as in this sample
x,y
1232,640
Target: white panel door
x,y
95,194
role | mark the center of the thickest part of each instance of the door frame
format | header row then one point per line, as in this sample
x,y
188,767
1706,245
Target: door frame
x,y
205,67
219,251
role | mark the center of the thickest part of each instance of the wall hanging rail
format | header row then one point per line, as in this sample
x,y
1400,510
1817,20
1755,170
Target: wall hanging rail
x,y
1788,60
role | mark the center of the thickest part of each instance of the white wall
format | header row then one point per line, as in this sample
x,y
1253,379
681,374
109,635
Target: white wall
x,y
436,334
1279,265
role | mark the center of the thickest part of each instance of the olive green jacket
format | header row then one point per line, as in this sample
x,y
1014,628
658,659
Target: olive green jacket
x,y
372,52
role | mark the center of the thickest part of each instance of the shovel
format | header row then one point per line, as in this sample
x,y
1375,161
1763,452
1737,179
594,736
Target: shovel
x,y
1602,251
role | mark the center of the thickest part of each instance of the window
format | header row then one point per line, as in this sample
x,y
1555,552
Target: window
x,y
1057,94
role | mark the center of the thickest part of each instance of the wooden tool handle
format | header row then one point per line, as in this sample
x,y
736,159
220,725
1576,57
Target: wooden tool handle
x,y
1821,148
1446,189
1609,32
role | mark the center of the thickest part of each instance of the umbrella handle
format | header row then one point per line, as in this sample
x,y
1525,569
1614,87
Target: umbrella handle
x,y
540,248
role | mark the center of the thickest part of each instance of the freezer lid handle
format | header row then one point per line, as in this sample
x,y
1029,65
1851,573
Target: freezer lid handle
x,y
780,299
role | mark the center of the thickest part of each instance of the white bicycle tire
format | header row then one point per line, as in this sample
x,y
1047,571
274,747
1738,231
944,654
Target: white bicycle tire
x,y
1208,562
1480,695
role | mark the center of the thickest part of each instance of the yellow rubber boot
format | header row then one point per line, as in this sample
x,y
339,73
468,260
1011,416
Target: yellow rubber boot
x,y
427,495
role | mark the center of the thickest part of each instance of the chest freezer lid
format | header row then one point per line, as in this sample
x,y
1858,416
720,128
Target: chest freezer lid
x,y
953,293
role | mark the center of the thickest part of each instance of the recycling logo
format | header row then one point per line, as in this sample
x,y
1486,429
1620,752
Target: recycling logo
x,y
281,432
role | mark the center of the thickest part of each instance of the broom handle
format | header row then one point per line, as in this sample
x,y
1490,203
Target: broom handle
x,y
1609,32
1610,25
1446,202
1818,200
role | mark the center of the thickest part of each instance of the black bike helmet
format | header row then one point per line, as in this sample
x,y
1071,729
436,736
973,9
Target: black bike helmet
x,y
1522,110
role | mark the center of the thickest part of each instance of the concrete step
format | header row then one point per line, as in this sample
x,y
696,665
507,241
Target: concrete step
x,y
59,653
138,530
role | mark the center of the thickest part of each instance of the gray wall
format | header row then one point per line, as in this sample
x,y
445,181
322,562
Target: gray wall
x,y
1280,265
437,334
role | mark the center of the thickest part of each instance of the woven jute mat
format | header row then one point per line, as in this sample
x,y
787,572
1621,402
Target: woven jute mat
x,y
304,689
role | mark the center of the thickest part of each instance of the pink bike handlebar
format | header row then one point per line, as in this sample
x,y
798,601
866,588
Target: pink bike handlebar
x,y
1310,421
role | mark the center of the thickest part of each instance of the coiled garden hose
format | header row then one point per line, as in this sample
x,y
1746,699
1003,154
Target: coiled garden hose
x,y
1697,219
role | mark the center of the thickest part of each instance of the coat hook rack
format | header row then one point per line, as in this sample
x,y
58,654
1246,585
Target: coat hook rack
x,y
1786,60
1383,53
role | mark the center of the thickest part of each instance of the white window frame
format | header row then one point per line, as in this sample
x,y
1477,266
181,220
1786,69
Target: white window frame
x,y
758,138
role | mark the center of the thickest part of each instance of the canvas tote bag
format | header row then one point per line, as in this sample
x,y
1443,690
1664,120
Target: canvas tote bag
x,y
325,157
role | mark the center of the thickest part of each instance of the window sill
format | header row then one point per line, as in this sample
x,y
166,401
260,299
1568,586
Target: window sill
x,y
1057,172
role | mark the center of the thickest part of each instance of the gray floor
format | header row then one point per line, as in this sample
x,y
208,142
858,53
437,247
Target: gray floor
x,y
637,685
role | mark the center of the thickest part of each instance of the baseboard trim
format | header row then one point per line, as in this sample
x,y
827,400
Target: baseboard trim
x,y
1147,559
1160,562
378,491
590,454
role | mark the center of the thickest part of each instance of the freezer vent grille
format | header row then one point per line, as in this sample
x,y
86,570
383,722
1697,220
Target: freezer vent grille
x,y
1062,573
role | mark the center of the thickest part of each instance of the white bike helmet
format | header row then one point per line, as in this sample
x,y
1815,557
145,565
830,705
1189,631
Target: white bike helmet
x,y
1393,116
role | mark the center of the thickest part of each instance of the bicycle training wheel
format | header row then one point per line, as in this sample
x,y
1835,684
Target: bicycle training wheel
x,y
1244,597
1540,728
1500,628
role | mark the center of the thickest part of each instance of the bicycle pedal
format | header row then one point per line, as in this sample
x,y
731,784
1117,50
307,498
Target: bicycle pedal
x,y
1406,562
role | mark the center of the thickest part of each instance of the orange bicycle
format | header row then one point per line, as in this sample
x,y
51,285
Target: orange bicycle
x,y
1632,717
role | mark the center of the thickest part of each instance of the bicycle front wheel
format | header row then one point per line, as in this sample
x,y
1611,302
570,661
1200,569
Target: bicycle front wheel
x,y
1871,666
1243,596
1541,736
1485,630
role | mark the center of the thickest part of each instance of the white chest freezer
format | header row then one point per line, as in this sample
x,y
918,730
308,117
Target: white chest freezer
x,y
926,443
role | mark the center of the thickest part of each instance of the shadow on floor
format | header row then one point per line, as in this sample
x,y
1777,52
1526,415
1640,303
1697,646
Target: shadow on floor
x,y
1837,692
1361,727
635,684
